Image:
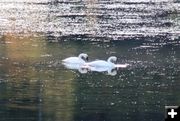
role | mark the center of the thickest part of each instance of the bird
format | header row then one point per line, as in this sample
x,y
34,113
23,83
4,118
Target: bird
x,y
110,63
76,67
102,63
109,70
81,59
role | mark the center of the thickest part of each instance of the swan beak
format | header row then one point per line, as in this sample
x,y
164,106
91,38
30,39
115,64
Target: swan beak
x,y
87,59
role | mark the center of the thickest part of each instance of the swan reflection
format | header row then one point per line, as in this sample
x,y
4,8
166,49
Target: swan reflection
x,y
109,70
83,69
78,67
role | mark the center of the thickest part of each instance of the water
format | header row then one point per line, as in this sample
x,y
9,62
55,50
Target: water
x,y
92,18
36,36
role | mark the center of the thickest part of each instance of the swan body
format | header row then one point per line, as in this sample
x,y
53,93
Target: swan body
x,y
102,63
76,67
109,70
81,59
79,63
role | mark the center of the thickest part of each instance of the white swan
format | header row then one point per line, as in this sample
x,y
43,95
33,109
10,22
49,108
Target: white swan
x,y
109,70
81,59
76,67
110,63
102,63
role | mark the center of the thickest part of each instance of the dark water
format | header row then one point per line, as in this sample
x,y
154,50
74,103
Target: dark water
x,y
36,36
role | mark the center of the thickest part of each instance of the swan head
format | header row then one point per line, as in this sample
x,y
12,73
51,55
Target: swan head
x,y
112,59
83,56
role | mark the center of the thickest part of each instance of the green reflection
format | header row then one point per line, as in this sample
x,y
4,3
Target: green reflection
x,y
35,86
30,84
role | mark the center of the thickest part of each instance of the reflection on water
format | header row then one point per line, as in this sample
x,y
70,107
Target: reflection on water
x,y
19,48
78,67
34,85
84,69
22,82
109,70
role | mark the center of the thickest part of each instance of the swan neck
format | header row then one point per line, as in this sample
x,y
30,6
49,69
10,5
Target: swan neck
x,y
109,61
80,56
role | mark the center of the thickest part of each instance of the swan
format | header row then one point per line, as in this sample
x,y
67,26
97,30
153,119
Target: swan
x,y
81,59
76,67
102,63
110,63
109,70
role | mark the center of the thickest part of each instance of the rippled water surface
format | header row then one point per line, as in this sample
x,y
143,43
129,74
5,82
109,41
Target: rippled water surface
x,y
92,18
36,35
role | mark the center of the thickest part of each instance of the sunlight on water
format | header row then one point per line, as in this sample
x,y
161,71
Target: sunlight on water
x,y
93,19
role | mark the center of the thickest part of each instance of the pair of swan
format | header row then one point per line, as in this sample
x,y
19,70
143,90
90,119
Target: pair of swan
x,y
83,70
83,58
80,63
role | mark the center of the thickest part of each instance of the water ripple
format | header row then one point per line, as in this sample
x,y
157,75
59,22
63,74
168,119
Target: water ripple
x,y
104,19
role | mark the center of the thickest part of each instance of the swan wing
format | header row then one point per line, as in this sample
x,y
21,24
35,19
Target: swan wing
x,y
98,69
98,63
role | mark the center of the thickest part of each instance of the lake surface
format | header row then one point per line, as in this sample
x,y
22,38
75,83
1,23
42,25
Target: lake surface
x,y
36,36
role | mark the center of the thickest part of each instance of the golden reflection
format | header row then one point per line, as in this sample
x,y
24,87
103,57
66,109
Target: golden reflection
x,y
59,96
50,89
20,52
26,47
